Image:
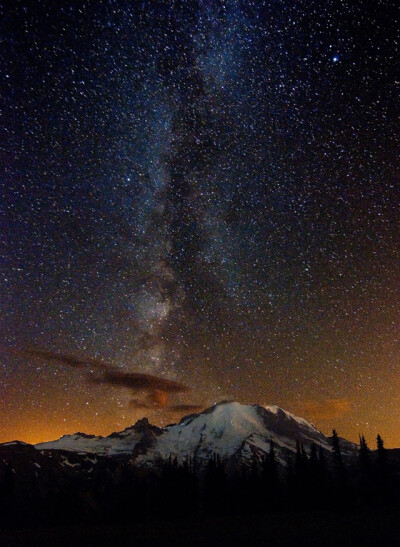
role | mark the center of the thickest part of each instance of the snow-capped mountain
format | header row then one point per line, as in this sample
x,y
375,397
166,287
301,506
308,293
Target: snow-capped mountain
x,y
234,431
121,443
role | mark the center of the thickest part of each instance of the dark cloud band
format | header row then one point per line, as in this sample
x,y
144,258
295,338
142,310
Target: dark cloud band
x,y
67,360
140,382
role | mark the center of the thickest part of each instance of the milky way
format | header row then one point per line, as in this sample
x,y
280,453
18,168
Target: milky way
x,y
206,192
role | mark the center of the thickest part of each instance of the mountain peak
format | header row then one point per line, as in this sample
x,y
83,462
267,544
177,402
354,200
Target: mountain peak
x,y
80,434
143,422
15,443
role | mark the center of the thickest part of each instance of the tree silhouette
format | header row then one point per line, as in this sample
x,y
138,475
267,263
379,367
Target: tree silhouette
x,y
338,465
215,487
363,454
269,479
339,487
381,451
386,483
365,478
177,492
7,494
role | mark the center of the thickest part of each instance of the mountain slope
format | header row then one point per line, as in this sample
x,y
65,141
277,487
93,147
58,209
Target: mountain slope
x,y
121,443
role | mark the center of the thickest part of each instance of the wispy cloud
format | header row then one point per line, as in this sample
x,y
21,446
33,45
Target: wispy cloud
x,y
324,410
186,408
151,404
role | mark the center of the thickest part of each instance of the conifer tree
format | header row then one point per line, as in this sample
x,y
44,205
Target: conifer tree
x,y
338,465
215,485
270,477
271,456
339,486
381,451
298,462
313,455
365,478
363,454
337,454
386,487
300,474
321,462
7,486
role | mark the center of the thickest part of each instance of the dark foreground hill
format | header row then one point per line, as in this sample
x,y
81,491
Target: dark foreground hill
x,y
322,529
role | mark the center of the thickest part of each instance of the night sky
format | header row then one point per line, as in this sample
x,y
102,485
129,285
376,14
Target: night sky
x,y
199,201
